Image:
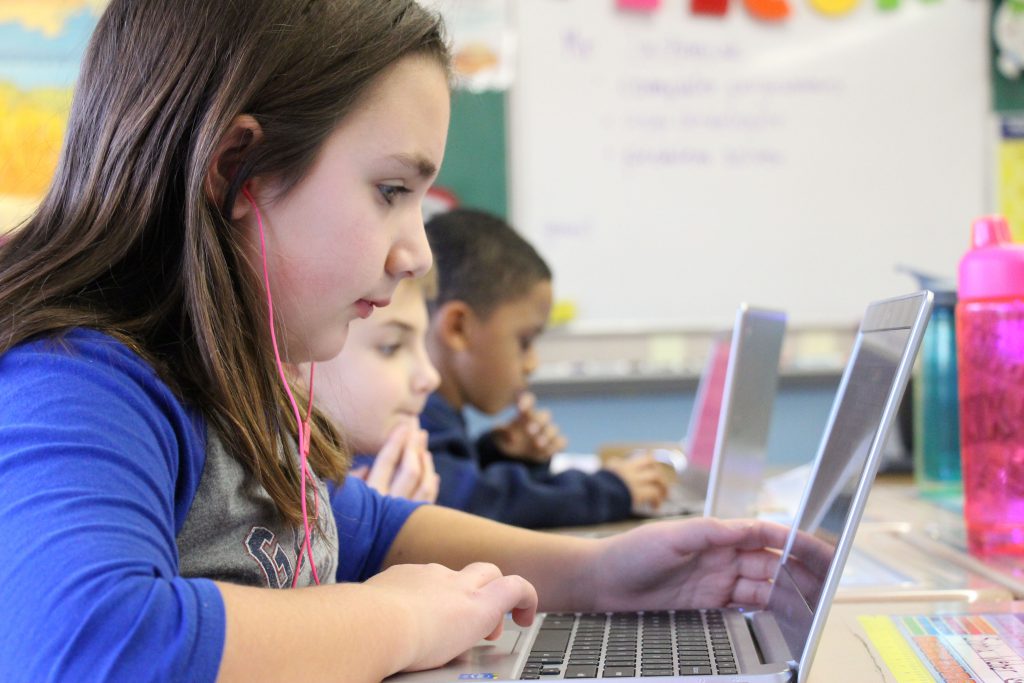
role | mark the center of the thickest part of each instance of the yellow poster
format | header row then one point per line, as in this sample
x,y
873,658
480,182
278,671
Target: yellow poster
x,y
1011,175
42,44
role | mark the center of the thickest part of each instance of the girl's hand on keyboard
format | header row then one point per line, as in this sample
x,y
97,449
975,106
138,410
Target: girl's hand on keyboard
x,y
684,564
446,612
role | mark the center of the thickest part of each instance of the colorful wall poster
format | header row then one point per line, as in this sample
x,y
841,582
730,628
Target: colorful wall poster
x,y
41,45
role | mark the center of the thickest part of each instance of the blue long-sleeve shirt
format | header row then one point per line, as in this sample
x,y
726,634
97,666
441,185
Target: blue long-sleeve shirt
x,y
512,491
118,506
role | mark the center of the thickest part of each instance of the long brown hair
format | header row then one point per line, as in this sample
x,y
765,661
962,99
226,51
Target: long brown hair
x,y
126,240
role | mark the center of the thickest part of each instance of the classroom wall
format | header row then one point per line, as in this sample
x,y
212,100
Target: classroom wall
x,y
838,175
799,417
670,166
474,167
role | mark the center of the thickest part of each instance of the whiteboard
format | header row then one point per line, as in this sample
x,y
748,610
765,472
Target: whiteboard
x,y
670,166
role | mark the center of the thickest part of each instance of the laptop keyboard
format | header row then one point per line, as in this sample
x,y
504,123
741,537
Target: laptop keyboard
x,y
631,644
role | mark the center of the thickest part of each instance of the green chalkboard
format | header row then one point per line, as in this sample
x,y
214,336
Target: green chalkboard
x,y
474,162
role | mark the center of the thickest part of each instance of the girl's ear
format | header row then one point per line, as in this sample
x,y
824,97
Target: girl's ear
x,y
455,322
243,132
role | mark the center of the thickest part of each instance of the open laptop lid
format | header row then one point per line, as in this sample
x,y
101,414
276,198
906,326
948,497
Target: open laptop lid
x,y
865,406
751,381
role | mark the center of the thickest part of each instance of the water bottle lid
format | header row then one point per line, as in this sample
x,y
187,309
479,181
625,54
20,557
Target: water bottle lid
x,y
943,288
993,268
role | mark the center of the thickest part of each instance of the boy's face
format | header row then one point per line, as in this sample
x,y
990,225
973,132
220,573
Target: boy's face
x,y
383,375
499,355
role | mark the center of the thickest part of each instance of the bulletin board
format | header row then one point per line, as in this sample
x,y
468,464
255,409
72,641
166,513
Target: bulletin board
x,y
670,165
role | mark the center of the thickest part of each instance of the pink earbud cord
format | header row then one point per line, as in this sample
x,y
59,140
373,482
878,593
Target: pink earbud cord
x,y
302,426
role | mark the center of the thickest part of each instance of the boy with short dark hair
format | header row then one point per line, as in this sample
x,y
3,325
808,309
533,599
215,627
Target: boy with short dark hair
x,y
494,297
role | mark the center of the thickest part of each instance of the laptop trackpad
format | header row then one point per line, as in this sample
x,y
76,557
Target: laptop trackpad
x,y
488,658
488,650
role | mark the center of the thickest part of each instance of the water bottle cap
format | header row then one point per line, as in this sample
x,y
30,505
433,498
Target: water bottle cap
x,y
943,288
993,268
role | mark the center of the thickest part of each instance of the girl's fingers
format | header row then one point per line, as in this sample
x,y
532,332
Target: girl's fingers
x,y
759,565
513,594
755,533
480,573
751,592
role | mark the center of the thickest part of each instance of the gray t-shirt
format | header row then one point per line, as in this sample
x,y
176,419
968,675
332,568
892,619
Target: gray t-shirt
x,y
234,533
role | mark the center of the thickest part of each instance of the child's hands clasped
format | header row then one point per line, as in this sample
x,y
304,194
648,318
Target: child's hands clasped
x,y
646,478
451,610
404,467
531,435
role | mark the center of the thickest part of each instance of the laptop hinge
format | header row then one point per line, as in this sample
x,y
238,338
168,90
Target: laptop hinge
x,y
768,636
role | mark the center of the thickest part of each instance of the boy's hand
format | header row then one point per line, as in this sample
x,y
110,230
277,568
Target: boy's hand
x,y
404,467
451,611
531,435
645,477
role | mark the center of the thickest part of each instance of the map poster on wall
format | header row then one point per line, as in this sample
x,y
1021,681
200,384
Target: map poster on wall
x,y
41,45
483,43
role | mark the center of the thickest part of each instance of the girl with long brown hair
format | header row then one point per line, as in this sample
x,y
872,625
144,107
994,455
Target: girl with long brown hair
x,y
240,179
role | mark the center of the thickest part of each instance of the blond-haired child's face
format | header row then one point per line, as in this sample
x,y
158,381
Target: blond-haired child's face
x,y
382,376
342,238
500,355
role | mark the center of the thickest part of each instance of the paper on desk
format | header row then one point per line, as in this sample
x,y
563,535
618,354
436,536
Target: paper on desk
x,y
585,462
949,647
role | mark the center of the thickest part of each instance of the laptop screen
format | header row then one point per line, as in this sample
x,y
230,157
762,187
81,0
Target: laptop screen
x,y
700,435
871,389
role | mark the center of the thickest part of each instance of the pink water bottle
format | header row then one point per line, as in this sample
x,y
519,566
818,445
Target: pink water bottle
x,y
990,359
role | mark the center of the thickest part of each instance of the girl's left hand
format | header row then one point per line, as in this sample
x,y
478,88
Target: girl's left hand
x,y
694,563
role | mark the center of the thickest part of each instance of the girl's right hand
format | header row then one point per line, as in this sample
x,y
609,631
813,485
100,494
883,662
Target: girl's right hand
x,y
404,467
450,611
644,476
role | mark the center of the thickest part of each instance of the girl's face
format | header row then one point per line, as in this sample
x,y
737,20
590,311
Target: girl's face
x,y
382,376
341,239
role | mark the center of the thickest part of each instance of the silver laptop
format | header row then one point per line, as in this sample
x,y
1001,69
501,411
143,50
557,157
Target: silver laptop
x,y
728,432
773,644
752,379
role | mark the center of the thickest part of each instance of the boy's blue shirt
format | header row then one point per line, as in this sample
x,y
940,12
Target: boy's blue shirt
x,y
475,477
100,464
